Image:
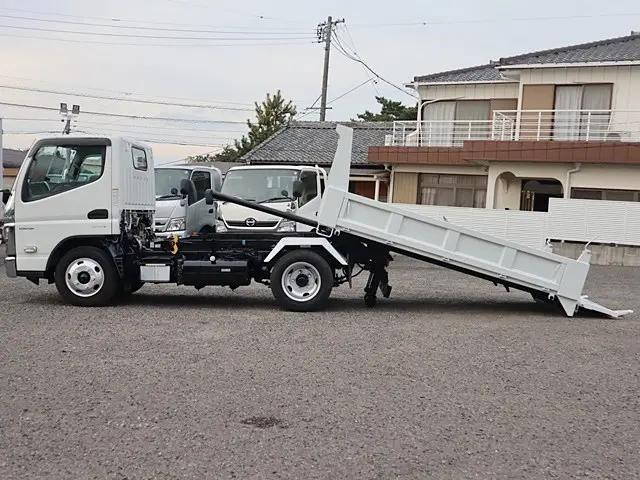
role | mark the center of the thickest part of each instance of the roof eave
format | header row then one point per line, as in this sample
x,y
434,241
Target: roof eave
x,y
611,63
463,82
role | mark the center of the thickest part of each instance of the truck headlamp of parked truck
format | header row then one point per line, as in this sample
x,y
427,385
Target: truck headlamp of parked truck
x,y
220,226
176,224
287,226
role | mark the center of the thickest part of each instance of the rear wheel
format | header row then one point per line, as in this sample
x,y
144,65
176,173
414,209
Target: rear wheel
x,y
87,277
302,281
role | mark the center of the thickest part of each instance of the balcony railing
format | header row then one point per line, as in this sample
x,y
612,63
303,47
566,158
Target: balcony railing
x,y
510,125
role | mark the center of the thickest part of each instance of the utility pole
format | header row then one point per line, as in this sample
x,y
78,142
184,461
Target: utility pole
x,y
324,34
68,116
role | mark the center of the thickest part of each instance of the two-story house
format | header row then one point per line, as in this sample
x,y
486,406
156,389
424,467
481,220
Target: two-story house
x,y
517,131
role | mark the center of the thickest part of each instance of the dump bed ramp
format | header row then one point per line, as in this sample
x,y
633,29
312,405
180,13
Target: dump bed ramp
x,y
543,274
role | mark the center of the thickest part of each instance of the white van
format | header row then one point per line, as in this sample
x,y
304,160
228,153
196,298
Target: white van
x,y
177,187
296,189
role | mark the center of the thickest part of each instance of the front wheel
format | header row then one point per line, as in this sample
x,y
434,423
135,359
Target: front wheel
x,y
301,281
87,277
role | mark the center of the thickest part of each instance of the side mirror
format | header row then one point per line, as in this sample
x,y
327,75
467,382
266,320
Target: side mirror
x,y
208,197
174,191
5,195
298,186
188,191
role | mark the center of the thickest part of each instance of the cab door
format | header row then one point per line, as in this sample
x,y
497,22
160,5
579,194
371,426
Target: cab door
x,y
65,191
201,217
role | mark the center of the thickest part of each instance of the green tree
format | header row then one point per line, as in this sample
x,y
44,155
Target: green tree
x,y
390,111
271,115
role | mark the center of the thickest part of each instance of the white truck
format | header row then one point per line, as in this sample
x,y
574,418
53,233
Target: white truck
x,y
295,189
172,206
81,216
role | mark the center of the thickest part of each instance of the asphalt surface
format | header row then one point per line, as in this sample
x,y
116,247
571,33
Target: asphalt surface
x,y
451,378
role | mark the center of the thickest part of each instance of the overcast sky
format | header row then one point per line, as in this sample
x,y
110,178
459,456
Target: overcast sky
x,y
387,35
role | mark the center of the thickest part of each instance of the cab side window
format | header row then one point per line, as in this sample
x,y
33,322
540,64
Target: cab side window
x,y
56,169
310,187
202,181
139,158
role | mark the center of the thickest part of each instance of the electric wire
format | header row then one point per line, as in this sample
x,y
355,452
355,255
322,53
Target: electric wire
x,y
151,37
130,100
164,45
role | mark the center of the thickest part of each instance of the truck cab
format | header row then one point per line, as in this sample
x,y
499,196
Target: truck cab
x,y
295,189
172,204
77,190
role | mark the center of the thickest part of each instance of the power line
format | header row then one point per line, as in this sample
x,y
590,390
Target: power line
x,y
137,94
130,100
152,37
166,141
150,127
351,90
355,52
189,45
121,115
426,23
115,19
164,29
358,60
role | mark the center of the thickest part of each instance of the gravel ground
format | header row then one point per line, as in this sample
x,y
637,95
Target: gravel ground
x,y
451,378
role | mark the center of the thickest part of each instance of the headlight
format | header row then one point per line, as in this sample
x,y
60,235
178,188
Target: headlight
x,y
287,226
176,224
220,226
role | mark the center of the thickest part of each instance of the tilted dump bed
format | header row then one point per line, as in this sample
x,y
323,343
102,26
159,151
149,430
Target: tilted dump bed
x,y
544,274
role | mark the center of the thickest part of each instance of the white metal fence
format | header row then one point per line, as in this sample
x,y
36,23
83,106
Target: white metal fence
x,y
580,125
445,133
595,221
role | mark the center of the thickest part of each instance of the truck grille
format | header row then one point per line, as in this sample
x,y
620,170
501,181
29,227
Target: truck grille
x,y
256,225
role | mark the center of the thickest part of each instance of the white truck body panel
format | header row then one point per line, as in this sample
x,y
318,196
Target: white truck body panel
x,y
452,245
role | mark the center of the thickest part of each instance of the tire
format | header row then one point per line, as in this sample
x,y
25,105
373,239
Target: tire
x,y
292,290
87,277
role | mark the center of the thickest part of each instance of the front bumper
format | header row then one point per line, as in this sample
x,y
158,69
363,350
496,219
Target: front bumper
x,y
179,233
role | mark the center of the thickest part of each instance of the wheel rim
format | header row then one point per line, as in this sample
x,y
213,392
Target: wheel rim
x,y
84,277
301,281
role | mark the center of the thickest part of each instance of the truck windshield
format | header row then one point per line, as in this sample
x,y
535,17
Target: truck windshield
x,y
168,179
261,185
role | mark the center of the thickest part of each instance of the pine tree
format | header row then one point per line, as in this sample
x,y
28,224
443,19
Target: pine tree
x,y
390,111
271,115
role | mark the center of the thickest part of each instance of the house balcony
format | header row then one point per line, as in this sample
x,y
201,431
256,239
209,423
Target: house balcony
x,y
521,125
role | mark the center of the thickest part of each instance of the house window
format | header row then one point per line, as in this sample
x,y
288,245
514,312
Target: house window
x,y
452,122
605,194
579,111
452,190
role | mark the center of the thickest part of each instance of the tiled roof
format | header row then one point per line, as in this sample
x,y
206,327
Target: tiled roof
x,y
314,143
481,73
12,158
618,49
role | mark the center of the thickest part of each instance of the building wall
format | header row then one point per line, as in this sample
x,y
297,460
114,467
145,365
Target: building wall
x,y
405,187
625,79
504,184
471,91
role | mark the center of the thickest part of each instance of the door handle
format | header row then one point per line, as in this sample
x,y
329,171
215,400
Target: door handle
x,y
98,214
